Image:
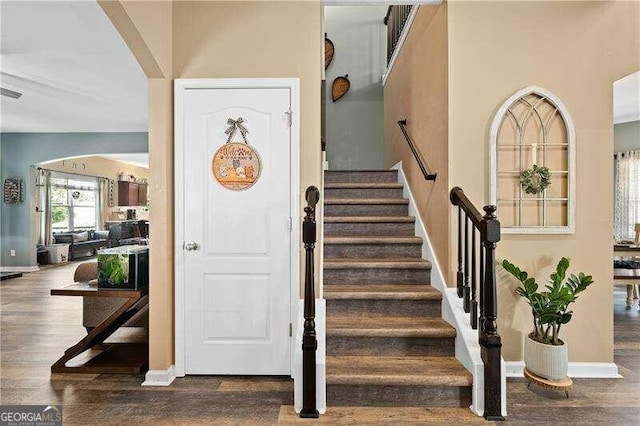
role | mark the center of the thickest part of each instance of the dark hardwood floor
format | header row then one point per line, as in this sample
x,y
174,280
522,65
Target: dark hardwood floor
x,y
592,401
36,328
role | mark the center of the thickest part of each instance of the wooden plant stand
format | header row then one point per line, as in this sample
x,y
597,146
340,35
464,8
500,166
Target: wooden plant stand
x,y
116,358
556,385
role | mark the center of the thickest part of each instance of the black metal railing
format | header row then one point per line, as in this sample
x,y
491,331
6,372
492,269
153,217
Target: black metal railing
x,y
309,339
478,290
395,20
423,168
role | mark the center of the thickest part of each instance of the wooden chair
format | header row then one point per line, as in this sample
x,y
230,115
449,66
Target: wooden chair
x,y
629,277
633,289
624,277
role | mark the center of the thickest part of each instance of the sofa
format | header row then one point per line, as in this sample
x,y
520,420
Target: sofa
x,y
97,309
82,244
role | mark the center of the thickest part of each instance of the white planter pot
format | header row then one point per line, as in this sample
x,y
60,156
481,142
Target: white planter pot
x,y
548,361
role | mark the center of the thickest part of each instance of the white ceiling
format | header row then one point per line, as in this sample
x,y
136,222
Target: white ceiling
x,y
74,70
626,99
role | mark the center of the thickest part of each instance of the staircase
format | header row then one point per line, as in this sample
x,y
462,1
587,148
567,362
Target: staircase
x,y
387,344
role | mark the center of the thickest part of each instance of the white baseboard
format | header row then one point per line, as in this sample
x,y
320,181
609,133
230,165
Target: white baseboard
x,y
35,268
160,377
437,278
586,370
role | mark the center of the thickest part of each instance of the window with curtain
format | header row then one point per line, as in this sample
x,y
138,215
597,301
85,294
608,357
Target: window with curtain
x,y
74,203
627,194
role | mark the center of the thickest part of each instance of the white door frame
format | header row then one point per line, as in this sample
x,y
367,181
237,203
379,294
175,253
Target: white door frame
x,y
180,88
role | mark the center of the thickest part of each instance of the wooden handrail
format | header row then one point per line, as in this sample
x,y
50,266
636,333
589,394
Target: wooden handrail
x,y
484,318
388,15
309,339
423,168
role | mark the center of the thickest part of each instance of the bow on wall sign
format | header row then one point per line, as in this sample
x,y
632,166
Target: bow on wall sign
x,y
236,125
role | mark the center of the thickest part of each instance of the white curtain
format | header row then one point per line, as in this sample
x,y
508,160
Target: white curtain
x,y
47,236
627,194
102,202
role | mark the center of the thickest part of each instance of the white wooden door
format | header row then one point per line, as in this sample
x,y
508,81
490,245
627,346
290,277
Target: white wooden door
x,y
237,280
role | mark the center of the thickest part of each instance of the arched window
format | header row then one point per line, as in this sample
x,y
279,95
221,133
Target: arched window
x,y
533,127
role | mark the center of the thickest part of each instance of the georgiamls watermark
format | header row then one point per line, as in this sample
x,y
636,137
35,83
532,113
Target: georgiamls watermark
x,y
30,415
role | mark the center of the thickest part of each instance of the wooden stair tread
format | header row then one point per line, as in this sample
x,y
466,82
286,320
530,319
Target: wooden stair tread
x,y
396,371
363,185
371,240
389,327
369,219
382,291
391,263
372,201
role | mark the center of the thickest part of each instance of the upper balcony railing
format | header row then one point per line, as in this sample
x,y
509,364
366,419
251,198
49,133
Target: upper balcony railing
x,y
395,21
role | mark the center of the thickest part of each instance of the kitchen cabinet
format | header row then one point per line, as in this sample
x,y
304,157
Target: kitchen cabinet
x,y
142,194
132,193
127,193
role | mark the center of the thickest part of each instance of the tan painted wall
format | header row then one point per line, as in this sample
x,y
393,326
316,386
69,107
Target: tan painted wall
x,y
416,90
196,40
148,16
576,50
147,28
161,258
272,39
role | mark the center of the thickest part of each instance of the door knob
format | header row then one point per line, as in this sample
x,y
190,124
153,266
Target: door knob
x,y
191,246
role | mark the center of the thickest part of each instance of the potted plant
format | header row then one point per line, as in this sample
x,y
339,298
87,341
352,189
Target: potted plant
x,y
545,354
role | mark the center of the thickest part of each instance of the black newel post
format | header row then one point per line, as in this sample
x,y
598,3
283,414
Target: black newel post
x,y
490,342
309,340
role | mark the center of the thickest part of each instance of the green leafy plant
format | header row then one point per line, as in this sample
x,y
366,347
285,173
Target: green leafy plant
x,y
113,268
549,307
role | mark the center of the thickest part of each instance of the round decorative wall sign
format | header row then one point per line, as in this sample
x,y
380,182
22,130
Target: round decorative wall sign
x,y
236,165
